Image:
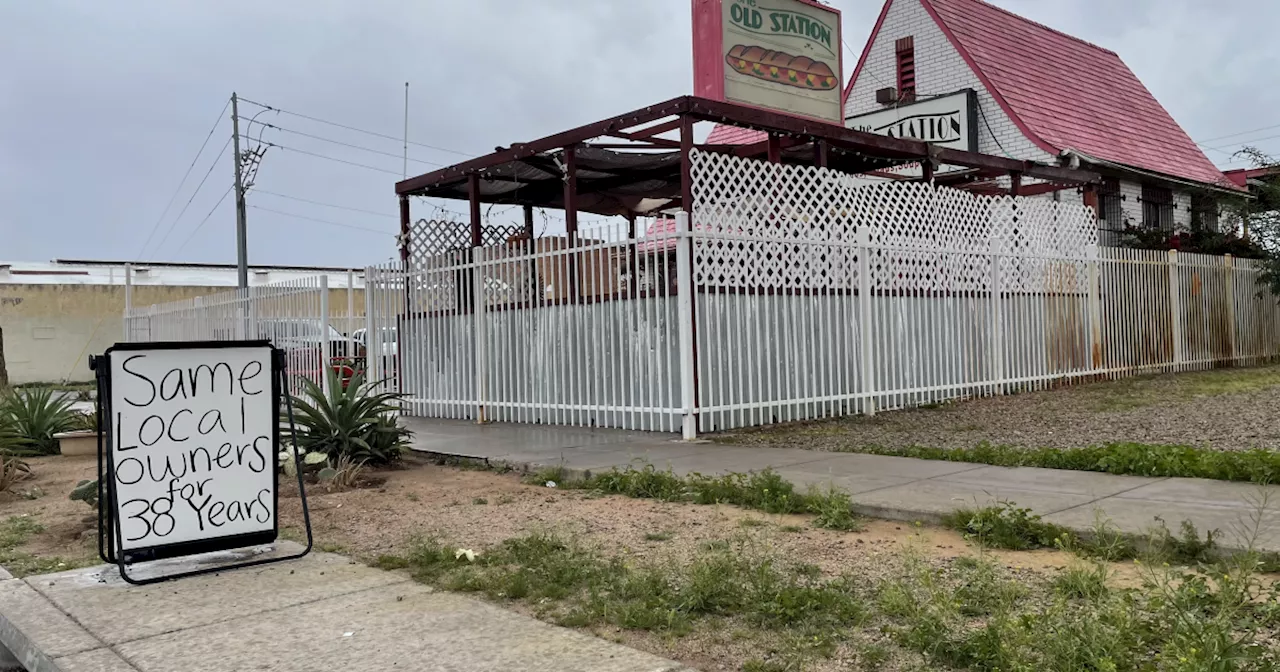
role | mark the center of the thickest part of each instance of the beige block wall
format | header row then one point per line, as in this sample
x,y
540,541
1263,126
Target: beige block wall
x,y
50,330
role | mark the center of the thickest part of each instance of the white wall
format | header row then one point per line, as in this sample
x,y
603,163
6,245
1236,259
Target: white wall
x,y
939,69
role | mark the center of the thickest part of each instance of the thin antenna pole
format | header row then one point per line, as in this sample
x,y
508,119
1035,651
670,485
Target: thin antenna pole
x,y
405,171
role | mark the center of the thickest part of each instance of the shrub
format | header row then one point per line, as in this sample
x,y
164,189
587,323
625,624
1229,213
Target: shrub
x,y
35,414
349,421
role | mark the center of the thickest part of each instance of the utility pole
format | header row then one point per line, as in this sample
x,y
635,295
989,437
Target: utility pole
x,y
242,244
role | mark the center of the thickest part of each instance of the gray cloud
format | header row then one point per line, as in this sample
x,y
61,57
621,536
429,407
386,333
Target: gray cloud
x,y
110,100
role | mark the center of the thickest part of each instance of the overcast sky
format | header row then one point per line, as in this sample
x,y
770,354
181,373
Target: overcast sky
x,y
103,105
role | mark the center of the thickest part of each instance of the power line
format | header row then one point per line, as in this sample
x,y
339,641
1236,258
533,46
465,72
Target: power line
x,y
358,130
1222,148
327,205
201,224
344,144
322,221
1232,135
174,224
156,227
321,156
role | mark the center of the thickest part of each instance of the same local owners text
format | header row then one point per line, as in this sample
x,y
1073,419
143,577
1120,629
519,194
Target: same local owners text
x,y
194,452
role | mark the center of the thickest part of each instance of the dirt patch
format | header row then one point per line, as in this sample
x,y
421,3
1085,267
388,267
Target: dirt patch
x,y
1227,409
69,527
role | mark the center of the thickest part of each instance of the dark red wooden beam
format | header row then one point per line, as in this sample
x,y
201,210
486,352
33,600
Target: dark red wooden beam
x,y
473,194
621,122
656,129
404,228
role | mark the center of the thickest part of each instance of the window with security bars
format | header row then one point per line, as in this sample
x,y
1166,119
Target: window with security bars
x,y
906,51
1110,210
1157,207
1204,213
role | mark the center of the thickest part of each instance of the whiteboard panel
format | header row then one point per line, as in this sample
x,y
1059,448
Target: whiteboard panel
x,y
193,443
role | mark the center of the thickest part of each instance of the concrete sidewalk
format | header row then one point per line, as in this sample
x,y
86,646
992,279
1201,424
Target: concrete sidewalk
x,y
323,612
888,487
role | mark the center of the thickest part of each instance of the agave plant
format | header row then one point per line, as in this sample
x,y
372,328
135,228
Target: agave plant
x,y
350,421
36,415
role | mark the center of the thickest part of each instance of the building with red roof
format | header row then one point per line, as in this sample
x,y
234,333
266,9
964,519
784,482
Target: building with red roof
x,y
968,73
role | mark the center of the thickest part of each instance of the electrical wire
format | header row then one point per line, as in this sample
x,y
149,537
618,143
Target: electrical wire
x,y
174,224
201,224
327,205
336,142
156,227
322,156
358,130
322,221
1232,135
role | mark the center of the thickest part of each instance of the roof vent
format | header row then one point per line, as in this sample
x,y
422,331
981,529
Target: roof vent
x,y
887,95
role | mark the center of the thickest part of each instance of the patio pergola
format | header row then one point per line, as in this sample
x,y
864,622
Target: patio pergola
x,y
622,166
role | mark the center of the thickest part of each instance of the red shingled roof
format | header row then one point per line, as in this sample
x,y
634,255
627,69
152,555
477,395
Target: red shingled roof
x,y
1065,93
723,134
1062,92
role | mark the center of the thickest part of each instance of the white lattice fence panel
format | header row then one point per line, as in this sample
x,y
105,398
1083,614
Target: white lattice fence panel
x,y
768,225
431,237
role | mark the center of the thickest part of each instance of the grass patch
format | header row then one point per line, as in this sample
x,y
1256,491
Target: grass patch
x,y
479,501
974,619
1082,582
761,491
791,529
577,586
752,522
833,510
665,535
14,532
1132,459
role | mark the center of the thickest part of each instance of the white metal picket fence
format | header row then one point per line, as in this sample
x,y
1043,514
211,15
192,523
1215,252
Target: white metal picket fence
x,y
295,315
795,293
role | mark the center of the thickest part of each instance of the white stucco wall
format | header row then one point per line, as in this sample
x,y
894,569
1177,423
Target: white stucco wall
x,y
939,70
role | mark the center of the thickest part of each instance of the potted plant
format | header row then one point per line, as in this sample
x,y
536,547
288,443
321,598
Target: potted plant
x,y
81,438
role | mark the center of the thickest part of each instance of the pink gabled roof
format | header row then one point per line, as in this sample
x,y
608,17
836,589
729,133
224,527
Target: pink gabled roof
x,y
1065,93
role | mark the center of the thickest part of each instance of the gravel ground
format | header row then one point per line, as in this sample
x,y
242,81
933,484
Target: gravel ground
x,y
1228,409
478,509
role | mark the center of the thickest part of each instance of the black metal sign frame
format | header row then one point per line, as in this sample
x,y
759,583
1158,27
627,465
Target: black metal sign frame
x,y
110,535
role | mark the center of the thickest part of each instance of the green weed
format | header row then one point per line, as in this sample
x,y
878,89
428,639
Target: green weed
x,y
558,474
1134,459
479,501
580,587
1186,548
665,535
833,510
1004,526
1082,582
